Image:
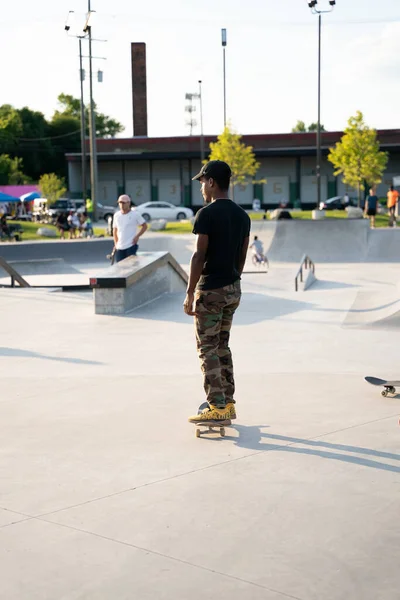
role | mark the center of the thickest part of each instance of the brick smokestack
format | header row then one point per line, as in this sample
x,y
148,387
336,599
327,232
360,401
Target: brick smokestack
x,y
139,89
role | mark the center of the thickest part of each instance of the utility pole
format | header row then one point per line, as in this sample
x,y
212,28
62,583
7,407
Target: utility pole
x,y
92,121
83,124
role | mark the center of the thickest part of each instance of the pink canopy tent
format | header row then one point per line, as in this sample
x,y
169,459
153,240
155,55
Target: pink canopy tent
x,y
18,190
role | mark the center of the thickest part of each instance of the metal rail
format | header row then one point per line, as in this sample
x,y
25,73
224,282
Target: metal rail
x,y
15,276
306,263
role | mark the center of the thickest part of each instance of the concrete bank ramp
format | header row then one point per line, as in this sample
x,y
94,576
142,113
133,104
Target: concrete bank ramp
x,y
330,240
375,308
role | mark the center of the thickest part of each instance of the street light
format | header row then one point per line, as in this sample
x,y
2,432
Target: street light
x,y
92,121
67,27
315,11
224,43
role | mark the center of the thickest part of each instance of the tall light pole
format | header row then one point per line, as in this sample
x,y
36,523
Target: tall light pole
x,y
313,5
224,42
92,121
201,124
83,124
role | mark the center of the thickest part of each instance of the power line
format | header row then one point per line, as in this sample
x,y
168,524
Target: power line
x,y
53,137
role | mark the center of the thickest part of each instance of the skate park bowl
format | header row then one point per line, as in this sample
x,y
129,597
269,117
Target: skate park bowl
x,y
95,435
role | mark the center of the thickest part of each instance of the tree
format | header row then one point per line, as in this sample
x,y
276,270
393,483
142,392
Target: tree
x,y
357,156
10,128
51,187
239,157
314,127
300,127
11,172
71,107
34,145
65,134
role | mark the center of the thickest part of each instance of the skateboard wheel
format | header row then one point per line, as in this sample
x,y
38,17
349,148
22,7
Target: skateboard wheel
x,y
384,393
197,432
222,431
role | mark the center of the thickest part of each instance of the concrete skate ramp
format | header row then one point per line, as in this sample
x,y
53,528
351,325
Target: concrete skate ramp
x,y
330,240
383,245
375,309
180,246
74,252
48,266
79,252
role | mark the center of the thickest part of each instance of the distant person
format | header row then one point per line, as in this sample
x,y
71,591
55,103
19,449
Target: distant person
x,y
284,215
125,229
89,207
392,199
371,206
74,224
4,229
346,200
257,249
86,226
62,224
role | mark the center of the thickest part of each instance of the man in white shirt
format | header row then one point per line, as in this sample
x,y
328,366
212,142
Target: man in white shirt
x,y
257,248
125,228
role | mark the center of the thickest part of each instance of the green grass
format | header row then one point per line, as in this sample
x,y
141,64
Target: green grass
x,y
380,220
30,229
176,227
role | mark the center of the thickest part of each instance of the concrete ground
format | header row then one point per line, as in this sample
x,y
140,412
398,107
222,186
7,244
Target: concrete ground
x,y
107,494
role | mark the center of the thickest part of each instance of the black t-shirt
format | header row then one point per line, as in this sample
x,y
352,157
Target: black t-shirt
x,y
227,225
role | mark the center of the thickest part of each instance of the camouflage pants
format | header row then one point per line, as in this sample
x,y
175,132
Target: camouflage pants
x,y
213,321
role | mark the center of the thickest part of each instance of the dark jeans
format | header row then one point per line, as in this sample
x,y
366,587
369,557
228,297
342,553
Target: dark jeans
x,y
121,254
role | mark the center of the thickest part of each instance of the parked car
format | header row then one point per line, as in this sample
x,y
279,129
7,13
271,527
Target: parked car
x,y
104,212
164,210
63,205
336,203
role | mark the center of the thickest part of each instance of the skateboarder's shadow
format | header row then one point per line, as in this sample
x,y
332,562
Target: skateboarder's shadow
x,y
253,437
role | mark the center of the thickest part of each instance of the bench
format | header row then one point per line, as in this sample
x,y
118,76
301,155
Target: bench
x,y
135,281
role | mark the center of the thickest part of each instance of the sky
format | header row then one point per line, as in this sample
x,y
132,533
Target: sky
x,y
271,61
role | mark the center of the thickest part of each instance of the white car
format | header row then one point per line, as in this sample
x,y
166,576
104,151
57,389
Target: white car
x,y
163,210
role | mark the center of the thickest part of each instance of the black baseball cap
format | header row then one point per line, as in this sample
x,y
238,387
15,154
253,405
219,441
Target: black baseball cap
x,y
217,169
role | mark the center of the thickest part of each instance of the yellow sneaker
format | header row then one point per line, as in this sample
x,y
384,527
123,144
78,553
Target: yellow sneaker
x,y
212,413
231,406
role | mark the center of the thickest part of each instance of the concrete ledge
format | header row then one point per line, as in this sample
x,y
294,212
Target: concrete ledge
x,y
136,281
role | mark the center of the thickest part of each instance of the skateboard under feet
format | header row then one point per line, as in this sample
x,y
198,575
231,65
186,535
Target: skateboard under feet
x,y
209,426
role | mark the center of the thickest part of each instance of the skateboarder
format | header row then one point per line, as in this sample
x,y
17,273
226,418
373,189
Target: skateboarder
x,y
257,249
222,232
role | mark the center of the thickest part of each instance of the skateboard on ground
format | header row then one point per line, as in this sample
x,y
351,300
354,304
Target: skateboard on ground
x,y
389,386
210,426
